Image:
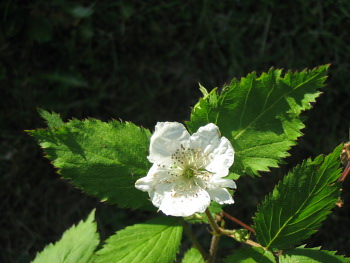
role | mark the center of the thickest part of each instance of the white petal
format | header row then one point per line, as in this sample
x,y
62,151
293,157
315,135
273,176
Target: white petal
x,y
207,138
223,183
185,204
222,157
144,184
166,139
154,177
220,195
157,198
159,172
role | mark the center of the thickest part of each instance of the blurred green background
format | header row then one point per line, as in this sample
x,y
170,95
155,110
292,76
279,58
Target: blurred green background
x,y
141,61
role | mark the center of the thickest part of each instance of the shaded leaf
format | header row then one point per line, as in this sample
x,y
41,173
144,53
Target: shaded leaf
x,y
40,28
82,12
251,255
311,255
65,79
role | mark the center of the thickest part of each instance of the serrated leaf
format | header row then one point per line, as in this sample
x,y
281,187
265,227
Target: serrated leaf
x,y
77,245
260,115
52,119
193,256
299,203
251,255
102,159
311,255
155,241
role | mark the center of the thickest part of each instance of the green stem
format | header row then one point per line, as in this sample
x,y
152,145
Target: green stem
x,y
212,222
221,231
215,238
213,248
194,239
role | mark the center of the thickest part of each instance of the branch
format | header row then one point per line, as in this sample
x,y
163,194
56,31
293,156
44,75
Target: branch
x,y
239,222
194,239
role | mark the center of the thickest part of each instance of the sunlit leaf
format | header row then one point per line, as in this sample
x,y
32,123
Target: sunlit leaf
x,y
260,115
299,203
155,241
103,159
77,245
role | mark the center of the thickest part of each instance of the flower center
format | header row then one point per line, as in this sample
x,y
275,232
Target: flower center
x,y
189,162
188,172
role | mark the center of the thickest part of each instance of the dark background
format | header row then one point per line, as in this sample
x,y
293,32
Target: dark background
x,y
141,61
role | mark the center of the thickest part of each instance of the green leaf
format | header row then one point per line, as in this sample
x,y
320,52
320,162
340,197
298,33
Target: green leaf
x,y
193,256
52,119
251,255
311,255
157,240
103,159
299,203
77,245
260,115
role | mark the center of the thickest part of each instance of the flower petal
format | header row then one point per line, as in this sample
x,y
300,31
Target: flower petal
x,y
185,204
222,157
166,139
220,195
207,138
223,183
188,171
144,184
157,198
155,176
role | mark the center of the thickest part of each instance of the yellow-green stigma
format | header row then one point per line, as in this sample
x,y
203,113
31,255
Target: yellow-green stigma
x,y
188,172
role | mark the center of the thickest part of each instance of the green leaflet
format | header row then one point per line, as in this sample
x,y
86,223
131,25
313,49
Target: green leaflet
x,y
193,256
155,241
52,119
311,255
102,159
251,255
299,203
77,245
260,115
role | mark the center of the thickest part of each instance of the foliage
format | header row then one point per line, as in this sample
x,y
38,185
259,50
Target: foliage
x,y
260,115
106,158
109,61
193,256
251,255
299,203
311,255
154,241
77,245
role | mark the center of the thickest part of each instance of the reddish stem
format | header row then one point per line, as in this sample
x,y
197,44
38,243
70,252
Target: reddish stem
x,y
345,173
239,222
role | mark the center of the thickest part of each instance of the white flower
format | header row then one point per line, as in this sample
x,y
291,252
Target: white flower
x,y
188,170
